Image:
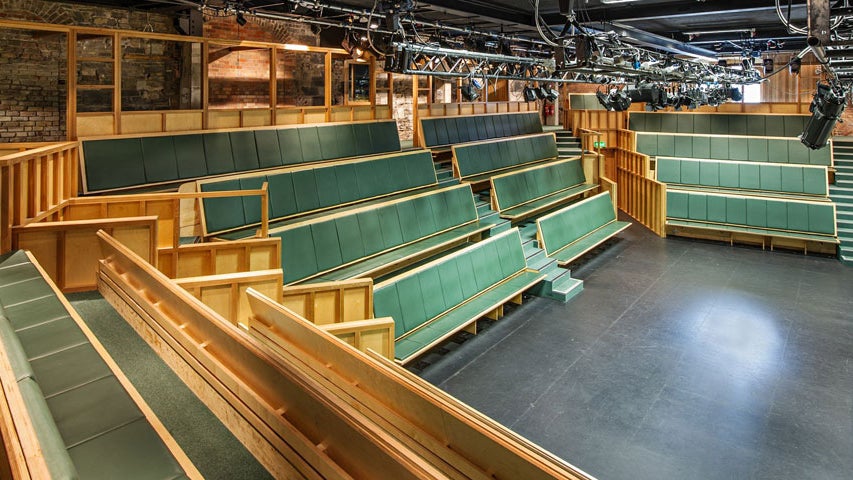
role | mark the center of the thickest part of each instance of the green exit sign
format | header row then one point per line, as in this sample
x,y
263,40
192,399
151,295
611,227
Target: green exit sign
x,y
599,144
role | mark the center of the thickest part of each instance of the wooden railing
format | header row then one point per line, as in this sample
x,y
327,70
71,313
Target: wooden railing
x,y
161,121
218,258
589,139
640,196
626,139
34,183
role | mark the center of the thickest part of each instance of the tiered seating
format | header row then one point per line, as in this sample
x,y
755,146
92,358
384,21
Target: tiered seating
x,y
439,298
378,238
522,193
446,131
87,425
578,228
754,178
295,192
132,162
753,149
756,125
772,217
476,162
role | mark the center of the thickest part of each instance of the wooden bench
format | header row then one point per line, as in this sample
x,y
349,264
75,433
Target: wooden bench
x,y
570,232
748,177
377,239
478,161
760,217
295,192
439,133
307,404
750,124
73,413
437,299
522,193
128,162
727,147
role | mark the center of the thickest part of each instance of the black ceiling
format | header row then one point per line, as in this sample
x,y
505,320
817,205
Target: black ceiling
x,y
724,25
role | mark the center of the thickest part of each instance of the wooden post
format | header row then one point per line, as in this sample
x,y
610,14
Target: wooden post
x,y
116,83
71,93
205,85
265,216
328,85
273,84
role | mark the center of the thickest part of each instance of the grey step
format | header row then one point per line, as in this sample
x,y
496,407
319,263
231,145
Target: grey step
x,y
842,215
534,256
443,173
527,230
565,288
490,216
500,227
840,190
845,232
542,263
448,182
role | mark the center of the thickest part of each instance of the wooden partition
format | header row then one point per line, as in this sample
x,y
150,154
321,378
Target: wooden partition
x,y
166,206
640,196
458,440
69,252
344,309
218,258
603,121
33,183
608,185
294,425
226,293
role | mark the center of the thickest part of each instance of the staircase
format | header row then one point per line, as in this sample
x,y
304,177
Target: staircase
x,y
842,194
567,145
558,283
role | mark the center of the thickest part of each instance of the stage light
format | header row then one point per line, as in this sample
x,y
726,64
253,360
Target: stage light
x,y
469,92
241,20
617,101
826,108
530,94
794,66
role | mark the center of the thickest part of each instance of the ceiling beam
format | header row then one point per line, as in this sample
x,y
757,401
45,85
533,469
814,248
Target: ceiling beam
x,y
479,11
631,13
647,39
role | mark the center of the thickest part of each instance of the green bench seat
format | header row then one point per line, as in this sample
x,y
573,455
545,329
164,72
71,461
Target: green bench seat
x,y
767,216
446,131
476,162
439,298
570,232
750,124
110,164
295,192
87,424
719,147
420,225
771,178
526,192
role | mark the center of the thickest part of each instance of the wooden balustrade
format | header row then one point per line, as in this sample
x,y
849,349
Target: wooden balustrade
x,y
33,185
640,196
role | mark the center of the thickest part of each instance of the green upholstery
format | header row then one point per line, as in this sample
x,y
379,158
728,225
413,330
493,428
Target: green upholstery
x,y
785,179
445,295
522,193
476,159
774,150
770,216
303,191
410,225
130,162
86,423
574,230
443,131
755,125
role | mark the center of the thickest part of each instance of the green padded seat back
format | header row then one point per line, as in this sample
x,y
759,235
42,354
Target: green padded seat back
x,y
217,152
53,449
309,143
290,147
328,191
268,149
391,229
189,152
361,137
113,163
384,137
386,303
282,195
439,131
331,146
298,259
372,238
244,150
348,188
305,190
252,204
223,213
570,223
161,164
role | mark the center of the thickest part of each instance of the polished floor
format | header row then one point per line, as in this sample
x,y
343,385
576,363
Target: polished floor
x,y
680,360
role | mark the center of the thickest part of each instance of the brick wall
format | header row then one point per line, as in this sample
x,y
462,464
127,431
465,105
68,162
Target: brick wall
x,y
33,69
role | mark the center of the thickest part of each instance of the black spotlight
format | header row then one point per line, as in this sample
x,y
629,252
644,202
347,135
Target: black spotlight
x,y
542,93
553,94
826,108
654,96
794,65
241,20
530,94
617,101
734,93
469,92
